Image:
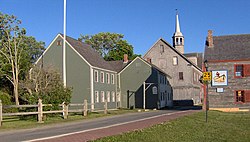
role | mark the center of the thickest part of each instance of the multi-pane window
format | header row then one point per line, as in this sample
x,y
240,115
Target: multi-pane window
x,y
239,70
96,96
118,97
112,79
108,96
102,77
107,78
181,76
175,60
102,96
96,76
113,96
240,96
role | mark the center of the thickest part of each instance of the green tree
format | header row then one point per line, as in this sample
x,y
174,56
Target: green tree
x,y
17,51
44,83
111,46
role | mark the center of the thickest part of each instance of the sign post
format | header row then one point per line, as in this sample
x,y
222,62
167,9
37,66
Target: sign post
x,y
207,77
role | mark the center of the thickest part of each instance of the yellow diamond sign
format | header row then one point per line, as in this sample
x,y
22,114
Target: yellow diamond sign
x,y
207,76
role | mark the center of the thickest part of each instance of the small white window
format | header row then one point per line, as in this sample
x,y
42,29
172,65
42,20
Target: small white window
x,y
96,76
102,96
102,77
96,96
108,96
107,78
175,60
112,79
113,96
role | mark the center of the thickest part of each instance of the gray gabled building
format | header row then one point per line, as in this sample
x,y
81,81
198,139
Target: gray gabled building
x,y
229,61
184,68
96,80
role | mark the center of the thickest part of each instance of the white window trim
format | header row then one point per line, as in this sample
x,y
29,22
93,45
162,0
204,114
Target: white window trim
x,y
102,78
175,60
107,78
97,77
113,96
102,96
97,96
108,96
112,79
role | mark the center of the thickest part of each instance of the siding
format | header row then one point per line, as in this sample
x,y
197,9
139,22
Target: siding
x,y
227,98
132,79
184,89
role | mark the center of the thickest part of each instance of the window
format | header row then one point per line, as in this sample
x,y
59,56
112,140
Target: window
x,y
102,96
107,78
96,96
108,96
161,48
113,96
118,97
102,77
242,70
175,60
112,79
59,43
242,96
96,76
181,41
181,76
239,70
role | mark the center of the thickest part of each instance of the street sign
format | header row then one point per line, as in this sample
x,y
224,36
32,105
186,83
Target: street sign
x,y
207,76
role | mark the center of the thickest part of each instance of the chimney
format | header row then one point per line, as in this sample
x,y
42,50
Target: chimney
x,y
149,60
125,58
210,41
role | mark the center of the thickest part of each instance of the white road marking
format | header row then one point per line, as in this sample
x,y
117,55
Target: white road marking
x,y
67,134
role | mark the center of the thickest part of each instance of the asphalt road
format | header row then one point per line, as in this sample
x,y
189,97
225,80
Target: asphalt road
x,y
85,125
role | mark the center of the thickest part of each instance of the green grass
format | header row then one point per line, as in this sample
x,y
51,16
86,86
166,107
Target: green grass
x,y
15,122
221,127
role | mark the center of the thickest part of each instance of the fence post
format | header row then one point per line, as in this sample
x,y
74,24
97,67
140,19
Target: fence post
x,y
65,110
105,107
85,108
40,111
1,113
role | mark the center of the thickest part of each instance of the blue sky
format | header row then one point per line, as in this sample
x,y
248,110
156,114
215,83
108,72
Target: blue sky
x,y
142,22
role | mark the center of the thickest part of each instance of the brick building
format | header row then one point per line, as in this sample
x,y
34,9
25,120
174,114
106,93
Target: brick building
x,y
228,59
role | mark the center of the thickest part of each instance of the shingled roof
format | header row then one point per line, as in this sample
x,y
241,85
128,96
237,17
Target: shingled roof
x,y
197,55
88,53
229,47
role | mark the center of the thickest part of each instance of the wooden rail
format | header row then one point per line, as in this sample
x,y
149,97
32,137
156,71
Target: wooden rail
x,y
65,110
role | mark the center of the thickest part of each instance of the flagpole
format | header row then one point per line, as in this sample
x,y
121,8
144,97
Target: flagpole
x,y
64,43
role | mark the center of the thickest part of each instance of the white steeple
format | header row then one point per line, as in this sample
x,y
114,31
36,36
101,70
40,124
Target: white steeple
x,y
178,38
177,26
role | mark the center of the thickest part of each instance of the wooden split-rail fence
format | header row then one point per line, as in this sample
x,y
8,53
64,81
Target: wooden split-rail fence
x,y
40,112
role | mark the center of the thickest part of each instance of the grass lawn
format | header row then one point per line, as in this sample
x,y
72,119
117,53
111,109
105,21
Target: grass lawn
x,y
221,127
15,122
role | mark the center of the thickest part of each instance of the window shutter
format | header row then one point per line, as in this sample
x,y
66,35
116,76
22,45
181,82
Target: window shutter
x,y
246,70
247,95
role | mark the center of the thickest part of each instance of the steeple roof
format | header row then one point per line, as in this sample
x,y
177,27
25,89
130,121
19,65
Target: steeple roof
x,y
177,26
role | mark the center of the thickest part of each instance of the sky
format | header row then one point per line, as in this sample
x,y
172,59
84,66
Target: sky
x,y
142,22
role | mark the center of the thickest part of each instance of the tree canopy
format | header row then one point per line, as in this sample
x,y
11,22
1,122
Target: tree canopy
x,y
17,51
111,46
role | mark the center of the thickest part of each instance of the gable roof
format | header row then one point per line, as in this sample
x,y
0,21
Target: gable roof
x,y
197,55
229,47
176,51
119,65
88,53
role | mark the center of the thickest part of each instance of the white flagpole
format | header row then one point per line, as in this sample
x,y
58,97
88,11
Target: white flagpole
x,y
64,43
